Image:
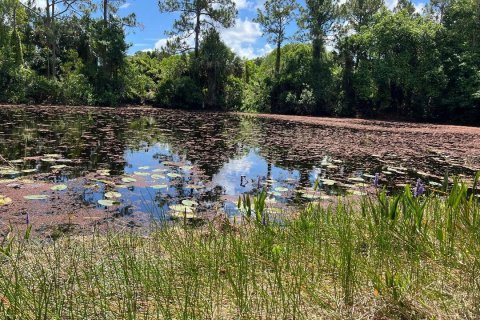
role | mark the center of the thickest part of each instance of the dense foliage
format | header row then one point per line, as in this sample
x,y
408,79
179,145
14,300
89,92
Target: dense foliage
x,y
352,59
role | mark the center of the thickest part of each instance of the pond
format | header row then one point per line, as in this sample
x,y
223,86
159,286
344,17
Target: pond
x,y
98,164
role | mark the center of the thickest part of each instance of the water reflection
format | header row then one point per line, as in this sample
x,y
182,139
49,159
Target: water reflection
x,y
172,156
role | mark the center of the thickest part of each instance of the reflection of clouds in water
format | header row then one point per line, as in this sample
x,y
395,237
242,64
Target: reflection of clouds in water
x,y
229,175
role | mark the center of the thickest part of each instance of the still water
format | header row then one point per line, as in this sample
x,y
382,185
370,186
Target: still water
x,y
154,160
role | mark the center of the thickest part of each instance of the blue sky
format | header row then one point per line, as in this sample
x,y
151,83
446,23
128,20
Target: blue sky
x,y
245,38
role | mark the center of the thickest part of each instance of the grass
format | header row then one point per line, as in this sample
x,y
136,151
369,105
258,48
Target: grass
x,y
381,257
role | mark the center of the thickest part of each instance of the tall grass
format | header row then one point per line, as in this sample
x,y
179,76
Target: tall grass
x,y
379,257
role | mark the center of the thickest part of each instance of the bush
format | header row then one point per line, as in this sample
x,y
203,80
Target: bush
x,y
76,90
233,93
179,93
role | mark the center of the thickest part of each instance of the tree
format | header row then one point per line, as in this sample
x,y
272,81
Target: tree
x,y
274,19
196,17
215,64
317,19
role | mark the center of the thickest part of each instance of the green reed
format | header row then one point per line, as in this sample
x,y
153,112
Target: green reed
x,y
381,256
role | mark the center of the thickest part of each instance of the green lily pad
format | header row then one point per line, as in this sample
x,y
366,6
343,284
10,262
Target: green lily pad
x,y
187,168
106,203
49,159
181,208
281,189
52,155
189,203
121,186
113,194
174,175
59,187
103,172
183,215
160,186
59,166
328,182
129,180
140,173
159,170
144,168
16,161
5,200
8,172
36,197
276,193
356,179
158,176
357,192
29,170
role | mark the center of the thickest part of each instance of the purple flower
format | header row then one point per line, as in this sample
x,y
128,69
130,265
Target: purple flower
x,y
419,188
27,219
376,180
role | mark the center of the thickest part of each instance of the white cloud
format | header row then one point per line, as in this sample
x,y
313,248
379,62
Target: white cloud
x,y
125,5
243,39
244,4
37,3
391,4
419,7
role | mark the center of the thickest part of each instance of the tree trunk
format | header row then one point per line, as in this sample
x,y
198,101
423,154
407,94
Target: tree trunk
x,y
54,42
197,31
277,61
105,11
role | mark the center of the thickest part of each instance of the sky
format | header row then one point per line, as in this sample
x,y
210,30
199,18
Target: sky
x,y
245,38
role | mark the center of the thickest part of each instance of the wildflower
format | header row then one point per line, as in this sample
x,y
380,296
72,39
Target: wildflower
x,y
27,219
376,180
419,188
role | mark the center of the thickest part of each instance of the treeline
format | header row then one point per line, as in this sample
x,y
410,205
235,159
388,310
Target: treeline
x,y
351,59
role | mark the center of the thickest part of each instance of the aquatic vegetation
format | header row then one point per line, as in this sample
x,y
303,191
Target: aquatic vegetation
x,y
106,202
59,187
5,200
36,197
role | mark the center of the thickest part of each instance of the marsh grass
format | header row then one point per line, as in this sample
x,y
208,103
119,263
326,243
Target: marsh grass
x,y
380,257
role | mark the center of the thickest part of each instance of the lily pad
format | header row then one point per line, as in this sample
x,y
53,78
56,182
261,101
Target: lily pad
x,y
174,175
189,203
144,168
29,170
5,200
160,186
113,194
59,166
59,187
52,155
356,179
8,172
106,203
181,208
281,189
36,197
328,182
159,170
140,173
183,215
158,176
49,159
187,168
129,179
